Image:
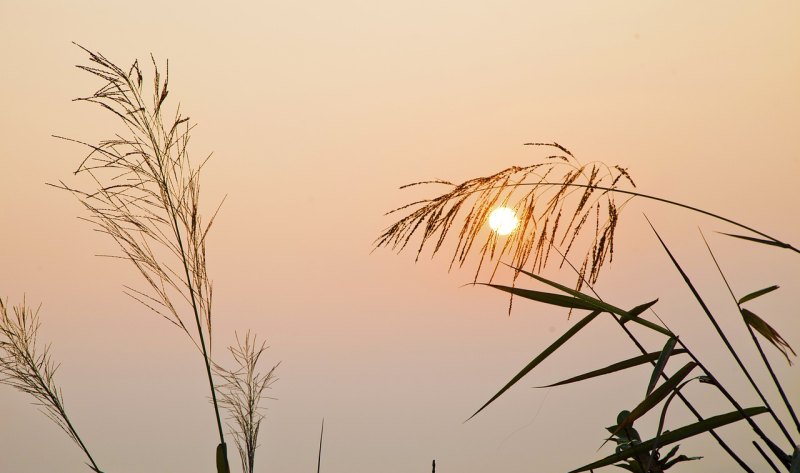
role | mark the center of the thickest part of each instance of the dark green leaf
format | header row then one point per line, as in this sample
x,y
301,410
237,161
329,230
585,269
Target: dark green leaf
x,y
625,364
547,297
656,396
755,294
626,315
677,435
666,352
680,458
760,240
547,352
768,332
670,453
222,459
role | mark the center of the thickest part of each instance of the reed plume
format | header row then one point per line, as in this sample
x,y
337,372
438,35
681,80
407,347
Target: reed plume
x,y
29,368
556,201
241,393
144,192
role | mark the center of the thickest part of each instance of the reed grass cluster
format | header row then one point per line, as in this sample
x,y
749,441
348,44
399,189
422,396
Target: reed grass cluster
x,y
541,186
141,188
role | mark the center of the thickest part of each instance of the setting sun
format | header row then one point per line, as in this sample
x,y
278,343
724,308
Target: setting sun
x,y
503,220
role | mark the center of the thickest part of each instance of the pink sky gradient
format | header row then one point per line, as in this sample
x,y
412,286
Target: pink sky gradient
x,y
316,113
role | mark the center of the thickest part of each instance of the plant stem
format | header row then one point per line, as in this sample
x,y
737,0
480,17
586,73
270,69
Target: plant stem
x,y
659,199
173,215
775,449
319,454
774,378
680,395
766,458
763,357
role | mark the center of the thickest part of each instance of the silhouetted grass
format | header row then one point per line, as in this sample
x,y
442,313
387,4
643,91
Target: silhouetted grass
x,y
541,186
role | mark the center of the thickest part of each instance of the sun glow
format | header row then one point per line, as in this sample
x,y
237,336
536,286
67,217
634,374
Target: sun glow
x,y
503,220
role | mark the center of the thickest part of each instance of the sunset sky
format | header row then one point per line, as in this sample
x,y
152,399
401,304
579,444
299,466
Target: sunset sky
x,y
316,113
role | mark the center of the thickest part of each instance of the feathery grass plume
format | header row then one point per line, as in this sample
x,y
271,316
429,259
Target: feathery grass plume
x,y
556,201
241,395
29,368
144,192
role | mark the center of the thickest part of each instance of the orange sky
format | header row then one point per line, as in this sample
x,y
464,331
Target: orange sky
x,y
316,113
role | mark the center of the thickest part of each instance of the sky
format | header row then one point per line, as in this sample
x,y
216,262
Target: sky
x,y
316,113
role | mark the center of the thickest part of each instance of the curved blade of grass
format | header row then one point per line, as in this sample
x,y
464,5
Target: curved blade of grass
x,y
768,332
547,297
619,366
666,352
779,244
547,352
655,397
626,315
676,435
758,293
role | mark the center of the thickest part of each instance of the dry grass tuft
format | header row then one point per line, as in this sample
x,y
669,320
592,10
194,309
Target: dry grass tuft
x,y
29,368
144,192
241,395
556,201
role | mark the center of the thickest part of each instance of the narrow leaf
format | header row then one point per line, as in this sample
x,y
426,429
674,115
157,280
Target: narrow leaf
x,y
656,396
666,352
542,356
619,366
626,315
759,240
768,332
759,293
673,436
547,297
680,458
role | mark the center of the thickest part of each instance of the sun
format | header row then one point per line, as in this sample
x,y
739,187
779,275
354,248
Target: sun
x,y
503,220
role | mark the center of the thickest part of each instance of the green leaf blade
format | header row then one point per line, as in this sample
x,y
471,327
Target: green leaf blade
x,y
549,298
766,331
673,436
541,357
758,293
656,396
666,352
619,366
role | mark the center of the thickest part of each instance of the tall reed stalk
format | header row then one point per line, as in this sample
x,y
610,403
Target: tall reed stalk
x,y
142,189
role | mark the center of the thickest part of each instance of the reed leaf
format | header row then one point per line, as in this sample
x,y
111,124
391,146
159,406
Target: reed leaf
x,y
655,397
613,368
547,297
758,293
763,241
627,315
672,436
769,333
666,352
541,357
